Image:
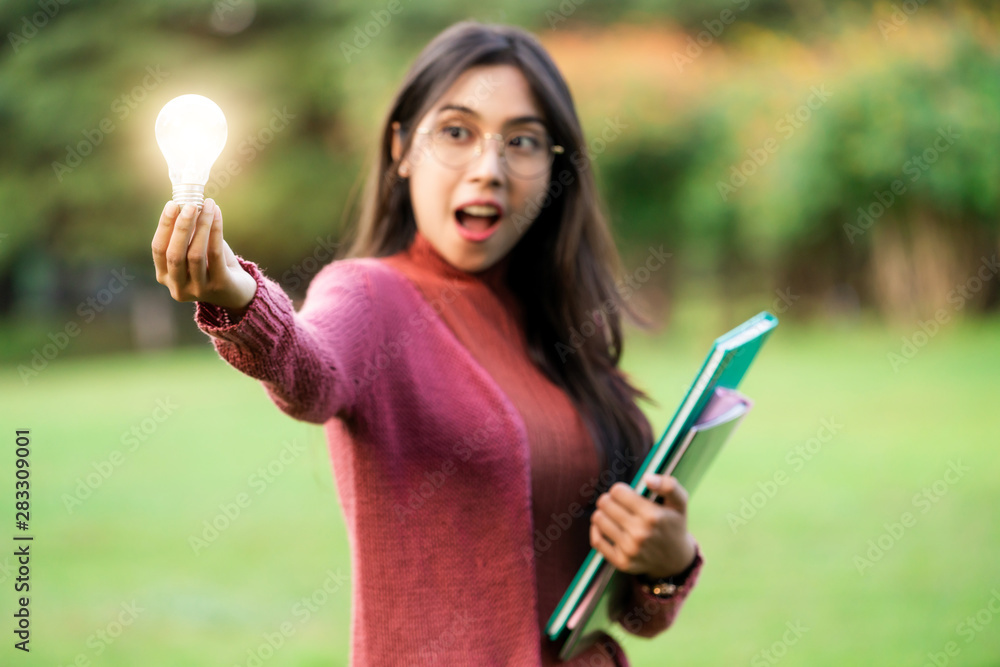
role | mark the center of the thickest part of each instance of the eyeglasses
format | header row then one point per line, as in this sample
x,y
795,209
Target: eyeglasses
x,y
527,152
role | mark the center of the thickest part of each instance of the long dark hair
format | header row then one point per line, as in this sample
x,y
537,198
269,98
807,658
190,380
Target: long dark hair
x,y
567,262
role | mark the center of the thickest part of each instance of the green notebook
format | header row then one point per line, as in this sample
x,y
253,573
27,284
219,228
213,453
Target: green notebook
x,y
709,413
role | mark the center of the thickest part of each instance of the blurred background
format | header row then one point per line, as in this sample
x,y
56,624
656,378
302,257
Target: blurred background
x,y
835,163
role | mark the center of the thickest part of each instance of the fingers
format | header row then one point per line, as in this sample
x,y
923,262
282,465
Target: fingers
x,y
612,505
177,265
616,521
197,254
615,545
610,528
627,497
217,247
161,238
672,494
631,531
230,255
599,541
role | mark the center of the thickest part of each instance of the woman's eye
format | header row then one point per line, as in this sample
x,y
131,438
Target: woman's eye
x,y
525,142
454,132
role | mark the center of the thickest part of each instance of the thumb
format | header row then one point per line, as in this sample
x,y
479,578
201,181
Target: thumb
x,y
670,491
661,486
653,480
229,254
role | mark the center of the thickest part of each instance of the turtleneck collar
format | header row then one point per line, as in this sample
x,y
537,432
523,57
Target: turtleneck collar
x,y
422,253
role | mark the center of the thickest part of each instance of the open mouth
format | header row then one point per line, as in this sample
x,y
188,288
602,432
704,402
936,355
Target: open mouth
x,y
477,218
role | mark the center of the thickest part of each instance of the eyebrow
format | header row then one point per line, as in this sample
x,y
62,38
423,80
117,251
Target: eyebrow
x,y
513,121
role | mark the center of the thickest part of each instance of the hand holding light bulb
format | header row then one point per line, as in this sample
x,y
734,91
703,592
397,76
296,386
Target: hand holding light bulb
x,y
195,262
189,253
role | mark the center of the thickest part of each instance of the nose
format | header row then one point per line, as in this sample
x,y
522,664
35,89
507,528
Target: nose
x,y
487,166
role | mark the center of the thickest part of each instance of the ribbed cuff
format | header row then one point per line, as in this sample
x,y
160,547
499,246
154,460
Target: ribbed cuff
x,y
211,316
215,319
259,330
685,580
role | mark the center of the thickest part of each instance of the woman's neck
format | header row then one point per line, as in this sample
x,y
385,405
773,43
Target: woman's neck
x,y
424,254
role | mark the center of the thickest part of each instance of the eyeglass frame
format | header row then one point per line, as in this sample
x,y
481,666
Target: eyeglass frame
x,y
554,149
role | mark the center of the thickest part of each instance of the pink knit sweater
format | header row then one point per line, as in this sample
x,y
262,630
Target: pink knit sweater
x,y
457,461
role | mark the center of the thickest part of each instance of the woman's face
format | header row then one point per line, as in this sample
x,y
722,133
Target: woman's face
x,y
492,99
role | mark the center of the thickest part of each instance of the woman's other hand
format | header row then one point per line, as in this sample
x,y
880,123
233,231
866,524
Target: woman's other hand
x,y
640,536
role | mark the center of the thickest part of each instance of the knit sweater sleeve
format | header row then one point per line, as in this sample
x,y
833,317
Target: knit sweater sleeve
x,y
647,615
310,362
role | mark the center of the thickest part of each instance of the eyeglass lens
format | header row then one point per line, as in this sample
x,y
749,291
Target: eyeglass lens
x,y
527,150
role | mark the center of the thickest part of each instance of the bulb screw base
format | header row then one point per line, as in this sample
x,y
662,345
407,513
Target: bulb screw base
x,y
189,193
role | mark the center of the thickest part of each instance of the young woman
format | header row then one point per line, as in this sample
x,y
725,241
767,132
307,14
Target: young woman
x,y
463,359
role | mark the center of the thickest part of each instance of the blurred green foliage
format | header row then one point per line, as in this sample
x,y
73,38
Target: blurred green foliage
x,y
705,89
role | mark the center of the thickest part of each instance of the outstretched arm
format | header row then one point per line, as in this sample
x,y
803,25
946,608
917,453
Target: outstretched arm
x,y
311,362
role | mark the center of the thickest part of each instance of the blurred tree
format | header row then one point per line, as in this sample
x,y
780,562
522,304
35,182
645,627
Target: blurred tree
x,y
304,84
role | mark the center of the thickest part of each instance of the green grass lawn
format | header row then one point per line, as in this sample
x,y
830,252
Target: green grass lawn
x,y
791,564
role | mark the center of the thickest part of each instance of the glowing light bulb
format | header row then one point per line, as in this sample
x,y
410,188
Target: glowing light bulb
x,y
191,131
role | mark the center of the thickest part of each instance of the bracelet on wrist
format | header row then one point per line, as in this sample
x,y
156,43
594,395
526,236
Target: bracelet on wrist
x,y
666,587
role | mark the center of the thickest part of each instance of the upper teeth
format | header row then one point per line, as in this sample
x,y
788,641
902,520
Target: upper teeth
x,y
480,210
